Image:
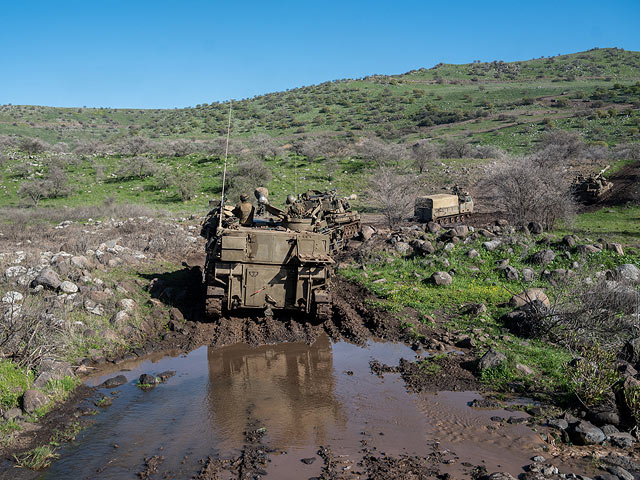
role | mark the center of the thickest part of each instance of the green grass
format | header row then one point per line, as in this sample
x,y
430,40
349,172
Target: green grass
x,y
36,459
619,223
14,380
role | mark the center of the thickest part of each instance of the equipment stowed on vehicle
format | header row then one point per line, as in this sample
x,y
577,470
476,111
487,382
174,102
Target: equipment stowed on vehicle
x,y
588,189
444,208
274,264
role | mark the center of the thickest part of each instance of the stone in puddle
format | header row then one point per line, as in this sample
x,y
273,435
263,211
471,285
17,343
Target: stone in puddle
x,y
308,461
114,382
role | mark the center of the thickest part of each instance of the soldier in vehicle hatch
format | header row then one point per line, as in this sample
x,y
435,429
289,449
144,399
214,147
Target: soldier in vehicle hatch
x,y
244,211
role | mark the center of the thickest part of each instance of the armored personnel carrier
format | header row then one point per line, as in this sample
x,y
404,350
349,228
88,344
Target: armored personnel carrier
x,y
276,263
329,214
588,189
444,208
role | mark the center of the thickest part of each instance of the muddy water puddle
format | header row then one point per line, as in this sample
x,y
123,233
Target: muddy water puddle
x,y
302,396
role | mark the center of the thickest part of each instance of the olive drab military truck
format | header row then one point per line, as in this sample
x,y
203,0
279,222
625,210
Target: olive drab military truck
x,y
276,263
444,208
588,189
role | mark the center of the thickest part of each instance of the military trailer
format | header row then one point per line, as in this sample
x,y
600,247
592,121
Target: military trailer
x,y
443,208
271,265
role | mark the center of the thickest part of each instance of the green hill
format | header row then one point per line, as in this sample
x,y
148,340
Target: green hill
x,y
596,93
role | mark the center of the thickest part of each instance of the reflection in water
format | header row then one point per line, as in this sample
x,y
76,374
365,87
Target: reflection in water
x,y
290,388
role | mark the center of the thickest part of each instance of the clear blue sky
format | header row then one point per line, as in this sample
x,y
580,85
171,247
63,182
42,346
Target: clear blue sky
x,y
157,54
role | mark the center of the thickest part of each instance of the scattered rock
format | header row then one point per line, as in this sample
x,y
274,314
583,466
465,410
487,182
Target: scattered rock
x,y
47,278
81,262
441,278
524,369
627,272
114,382
68,287
12,413
402,247
491,359
528,275
619,472
33,399
128,305
558,423
120,319
615,247
473,253
622,439
147,380
433,227
585,433
543,257
511,274
12,298
569,241
308,461
535,228
367,232
586,249
491,245
529,296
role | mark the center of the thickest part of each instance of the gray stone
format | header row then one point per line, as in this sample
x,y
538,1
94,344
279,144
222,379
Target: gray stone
x,y
619,472
627,272
68,287
511,274
524,369
114,382
585,433
367,232
622,439
12,298
402,247
558,423
499,476
80,261
433,227
33,400
606,417
120,319
12,413
52,370
424,247
47,278
127,304
543,257
441,278
615,247
528,275
491,359
146,379
491,245
473,253
535,228
569,241
621,461
587,249
609,429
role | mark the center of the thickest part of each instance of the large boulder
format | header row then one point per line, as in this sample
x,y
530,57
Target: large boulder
x,y
491,359
535,228
367,232
441,278
68,287
33,400
585,433
491,245
81,262
543,257
50,369
529,296
627,272
47,278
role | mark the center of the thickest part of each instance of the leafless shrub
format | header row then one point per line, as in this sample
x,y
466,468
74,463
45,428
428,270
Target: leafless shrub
x,y
248,175
163,175
381,153
133,146
90,147
136,167
179,148
455,148
184,183
264,146
393,192
8,141
531,188
59,147
28,333
423,153
560,144
35,190
487,151
628,151
33,146
59,182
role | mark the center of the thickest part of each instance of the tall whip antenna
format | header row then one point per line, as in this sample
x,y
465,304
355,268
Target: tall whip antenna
x,y
226,155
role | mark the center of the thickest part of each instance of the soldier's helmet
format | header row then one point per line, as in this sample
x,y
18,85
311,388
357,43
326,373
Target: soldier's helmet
x,y
244,197
290,199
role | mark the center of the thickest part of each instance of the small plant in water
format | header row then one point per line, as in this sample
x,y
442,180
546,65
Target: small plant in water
x,y
37,458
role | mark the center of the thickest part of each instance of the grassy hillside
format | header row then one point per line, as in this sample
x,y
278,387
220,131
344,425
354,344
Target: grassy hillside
x,y
507,104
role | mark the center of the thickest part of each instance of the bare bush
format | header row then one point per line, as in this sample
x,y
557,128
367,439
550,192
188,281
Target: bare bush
x,y
393,192
264,146
531,188
455,148
381,153
134,146
561,144
33,146
628,151
35,190
59,181
136,167
28,333
487,151
86,148
180,147
7,142
423,153
184,183
248,175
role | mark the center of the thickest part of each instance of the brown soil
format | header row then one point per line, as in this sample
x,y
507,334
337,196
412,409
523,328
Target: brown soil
x,y
626,189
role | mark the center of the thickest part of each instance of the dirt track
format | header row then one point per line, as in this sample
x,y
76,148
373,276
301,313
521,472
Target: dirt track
x,y
626,189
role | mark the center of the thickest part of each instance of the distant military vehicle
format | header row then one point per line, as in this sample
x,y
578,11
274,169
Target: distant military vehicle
x,y
444,208
277,263
587,189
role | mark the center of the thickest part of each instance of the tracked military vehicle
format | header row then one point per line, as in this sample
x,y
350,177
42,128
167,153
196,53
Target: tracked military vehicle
x,y
277,263
444,208
329,214
588,189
